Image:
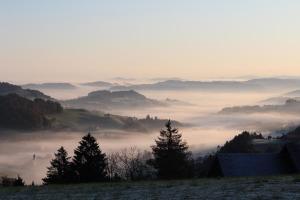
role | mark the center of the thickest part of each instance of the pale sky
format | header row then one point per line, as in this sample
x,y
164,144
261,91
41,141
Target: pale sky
x,y
76,40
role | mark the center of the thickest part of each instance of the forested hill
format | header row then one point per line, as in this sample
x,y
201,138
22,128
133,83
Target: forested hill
x,y
20,113
7,88
107,101
84,120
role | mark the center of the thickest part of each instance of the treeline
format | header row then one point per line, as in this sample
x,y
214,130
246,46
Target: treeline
x,y
169,159
20,113
6,181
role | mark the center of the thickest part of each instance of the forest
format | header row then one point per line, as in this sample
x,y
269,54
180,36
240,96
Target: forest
x,y
21,113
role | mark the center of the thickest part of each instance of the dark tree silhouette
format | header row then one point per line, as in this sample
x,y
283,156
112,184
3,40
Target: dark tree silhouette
x,y
19,181
171,156
60,169
241,143
6,181
89,162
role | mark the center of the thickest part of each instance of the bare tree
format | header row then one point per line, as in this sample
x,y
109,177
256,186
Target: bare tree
x,y
113,168
130,164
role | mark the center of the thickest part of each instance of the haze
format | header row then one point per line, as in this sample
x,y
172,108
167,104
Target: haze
x,y
80,41
207,132
143,41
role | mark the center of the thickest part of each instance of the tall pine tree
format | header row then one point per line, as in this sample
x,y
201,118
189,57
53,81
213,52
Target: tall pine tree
x,y
89,162
60,169
171,156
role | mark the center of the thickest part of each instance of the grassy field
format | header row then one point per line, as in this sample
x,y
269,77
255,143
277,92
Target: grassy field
x,y
285,187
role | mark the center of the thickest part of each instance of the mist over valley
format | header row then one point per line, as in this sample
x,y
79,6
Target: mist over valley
x,y
127,118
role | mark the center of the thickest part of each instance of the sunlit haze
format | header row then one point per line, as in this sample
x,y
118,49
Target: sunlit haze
x,y
91,40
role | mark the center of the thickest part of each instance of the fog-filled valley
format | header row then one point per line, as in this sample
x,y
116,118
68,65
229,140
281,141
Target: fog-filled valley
x,y
149,99
198,112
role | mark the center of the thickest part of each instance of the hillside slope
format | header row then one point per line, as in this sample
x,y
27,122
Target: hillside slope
x,y
21,113
107,100
291,106
7,88
83,120
53,86
285,187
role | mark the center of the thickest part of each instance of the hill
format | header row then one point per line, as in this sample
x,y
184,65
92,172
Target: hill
x,y
292,135
107,100
53,86
283,98
276,83
295,93
291,106
99,84
83,120
193,85
262,84
7,88
21,113
277,100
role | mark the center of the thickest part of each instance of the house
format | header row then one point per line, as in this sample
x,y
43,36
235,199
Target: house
x,y
287,161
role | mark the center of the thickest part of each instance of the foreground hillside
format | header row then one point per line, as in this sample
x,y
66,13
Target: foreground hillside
x,y
285,187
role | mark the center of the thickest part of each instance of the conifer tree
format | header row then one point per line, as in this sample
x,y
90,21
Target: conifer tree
x,y
60,169
89,162
19,181
171,156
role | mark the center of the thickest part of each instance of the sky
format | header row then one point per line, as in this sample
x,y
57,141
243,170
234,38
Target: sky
x,y
64,40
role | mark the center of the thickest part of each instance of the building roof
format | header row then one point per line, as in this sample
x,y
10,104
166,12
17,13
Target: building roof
x,y
293,151
244,164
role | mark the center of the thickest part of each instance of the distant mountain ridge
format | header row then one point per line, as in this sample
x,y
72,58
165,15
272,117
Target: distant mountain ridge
x,y
54,86
191,85
276,82
99,84
7,88
295,94
277,100
261,84
291,106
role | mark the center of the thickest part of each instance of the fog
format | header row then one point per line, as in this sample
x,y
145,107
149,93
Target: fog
x,y
208,129
16,153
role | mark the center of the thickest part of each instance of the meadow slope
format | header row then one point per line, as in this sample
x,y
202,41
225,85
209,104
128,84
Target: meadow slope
x,y
283,187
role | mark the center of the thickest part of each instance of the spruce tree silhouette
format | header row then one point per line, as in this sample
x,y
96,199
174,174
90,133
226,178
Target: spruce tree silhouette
x,y
89,162
60,169
171,156
19,181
